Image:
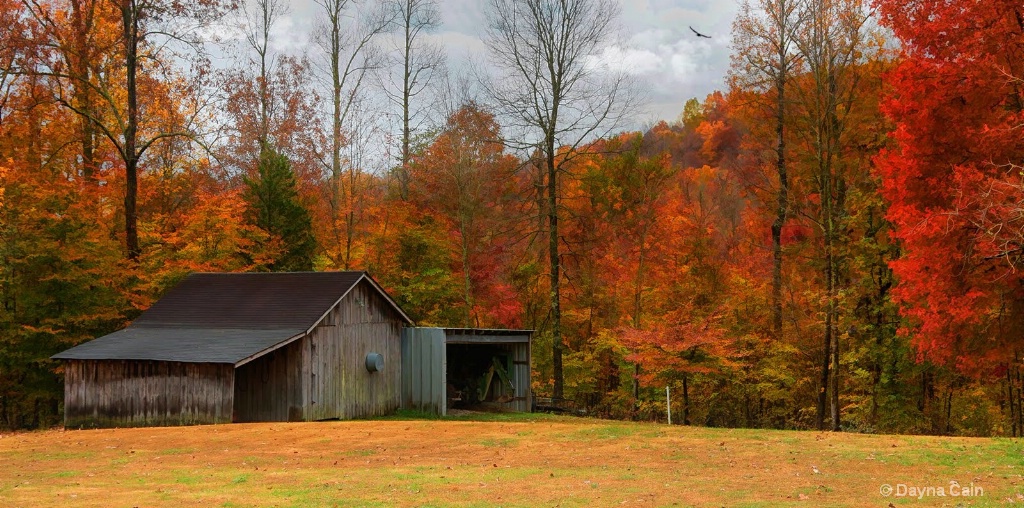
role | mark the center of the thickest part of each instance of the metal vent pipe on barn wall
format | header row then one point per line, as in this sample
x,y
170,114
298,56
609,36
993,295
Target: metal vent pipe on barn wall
x,y
374,362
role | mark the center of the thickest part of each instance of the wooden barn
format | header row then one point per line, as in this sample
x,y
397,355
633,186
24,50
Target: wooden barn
x,y
243,347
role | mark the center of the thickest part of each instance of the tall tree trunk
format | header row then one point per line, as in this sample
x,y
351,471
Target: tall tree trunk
x,y
403,176
466,279
555,275
350,217
130,20
1011,402
826,364
638,308
82,18
949,410
686,400
782,203
336,140
835,371
1020,401
263,82
831,348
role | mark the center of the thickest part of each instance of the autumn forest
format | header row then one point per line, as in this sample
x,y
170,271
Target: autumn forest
x,y
833,241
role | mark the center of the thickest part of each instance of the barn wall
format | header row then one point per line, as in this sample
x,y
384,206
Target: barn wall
x,y
269,388
337,384
423,370
118,393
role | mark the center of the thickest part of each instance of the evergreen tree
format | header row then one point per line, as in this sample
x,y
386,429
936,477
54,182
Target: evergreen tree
x,y
273,205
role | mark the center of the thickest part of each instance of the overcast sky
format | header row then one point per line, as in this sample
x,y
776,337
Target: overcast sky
x,y
671,63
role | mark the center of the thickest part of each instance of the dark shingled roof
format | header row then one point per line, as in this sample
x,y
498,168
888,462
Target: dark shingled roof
x,y
225,317
190,345
249,300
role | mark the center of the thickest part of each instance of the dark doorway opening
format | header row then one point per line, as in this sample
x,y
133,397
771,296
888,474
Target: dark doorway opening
x,y
479,376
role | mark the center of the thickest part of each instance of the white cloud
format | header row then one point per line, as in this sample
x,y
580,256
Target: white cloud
x,y
288,38
629,60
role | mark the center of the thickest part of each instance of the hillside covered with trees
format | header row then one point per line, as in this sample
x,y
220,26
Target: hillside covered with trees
x,y
832,242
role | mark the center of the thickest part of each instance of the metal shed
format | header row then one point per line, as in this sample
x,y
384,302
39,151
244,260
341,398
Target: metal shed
x,y
223,347
445,368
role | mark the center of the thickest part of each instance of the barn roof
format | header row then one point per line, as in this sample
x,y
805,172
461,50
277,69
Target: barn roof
x,y
227,317
189,345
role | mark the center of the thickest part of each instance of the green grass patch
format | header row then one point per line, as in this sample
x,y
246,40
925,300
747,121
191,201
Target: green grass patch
x,y
498,442
481,416
187,478
362,452
614,431
178,451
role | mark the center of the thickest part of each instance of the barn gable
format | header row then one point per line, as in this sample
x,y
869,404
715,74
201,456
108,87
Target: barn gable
x,y
223,347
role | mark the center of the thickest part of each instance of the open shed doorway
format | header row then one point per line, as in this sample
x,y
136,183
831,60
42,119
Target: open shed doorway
x,y
466,368
479,376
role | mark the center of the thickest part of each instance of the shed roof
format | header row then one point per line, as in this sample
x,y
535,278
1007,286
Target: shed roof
x,y
227,317
485,335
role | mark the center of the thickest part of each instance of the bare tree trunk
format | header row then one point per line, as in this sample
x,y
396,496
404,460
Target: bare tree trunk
x,y
349,60
638,309
82,17
403,177
1012,402
555,278
334,15
339,195
826,364
269,11
466,279
419,60
949,409
686,400
830,380
836,424
350,216
1020,399
130,20
782,204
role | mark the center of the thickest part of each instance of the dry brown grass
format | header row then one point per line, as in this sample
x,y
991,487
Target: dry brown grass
x,y
548,462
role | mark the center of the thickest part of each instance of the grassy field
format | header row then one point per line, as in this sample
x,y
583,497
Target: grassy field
x,y
526,460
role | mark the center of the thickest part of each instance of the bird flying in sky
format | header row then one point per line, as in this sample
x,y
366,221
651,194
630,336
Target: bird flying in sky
x,y
699,34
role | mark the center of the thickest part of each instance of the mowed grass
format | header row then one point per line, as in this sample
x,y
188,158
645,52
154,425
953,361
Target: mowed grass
x,y
524,460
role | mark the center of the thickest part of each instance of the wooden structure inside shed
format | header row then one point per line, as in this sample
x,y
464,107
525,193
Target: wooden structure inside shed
x,y
244,347
447,368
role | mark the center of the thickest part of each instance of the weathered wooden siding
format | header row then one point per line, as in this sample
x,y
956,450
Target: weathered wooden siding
x,y
521,377
269,388
337,384
424,364
119,393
